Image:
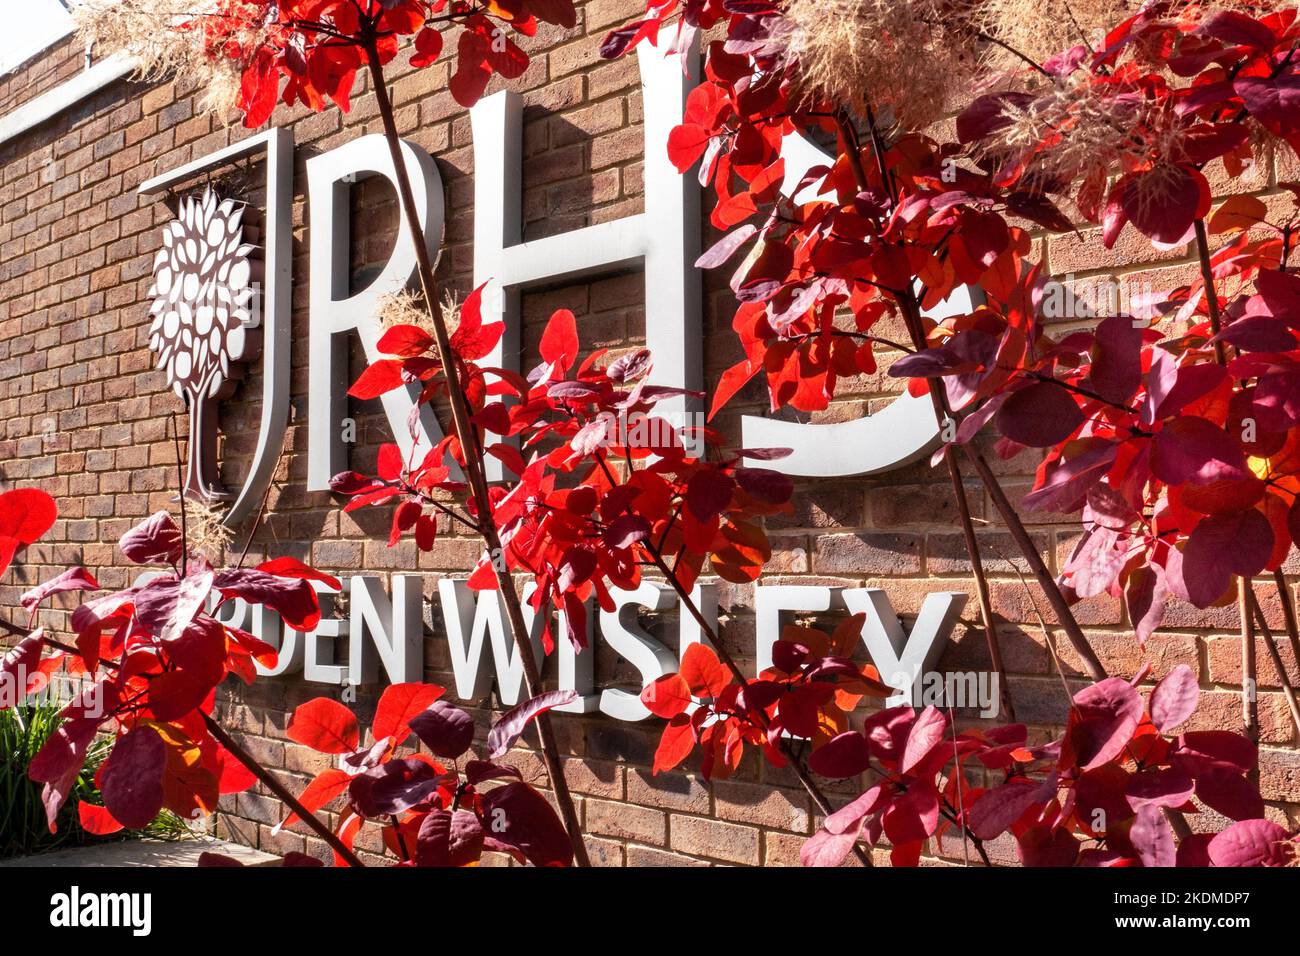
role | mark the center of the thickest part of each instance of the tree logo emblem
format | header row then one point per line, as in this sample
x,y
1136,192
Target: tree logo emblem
x,y
205,318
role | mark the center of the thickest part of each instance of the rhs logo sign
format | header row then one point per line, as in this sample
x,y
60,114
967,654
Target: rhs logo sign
x,y
203,331
202,342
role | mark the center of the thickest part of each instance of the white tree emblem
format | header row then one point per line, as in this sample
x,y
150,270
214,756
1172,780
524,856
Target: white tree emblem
x,y
204,318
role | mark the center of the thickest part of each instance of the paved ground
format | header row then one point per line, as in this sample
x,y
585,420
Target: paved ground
x,y
145,853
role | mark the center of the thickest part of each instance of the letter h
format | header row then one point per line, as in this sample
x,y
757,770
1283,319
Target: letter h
x,y
666,237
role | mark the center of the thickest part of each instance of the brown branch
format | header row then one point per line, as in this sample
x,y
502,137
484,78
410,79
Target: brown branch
x,y
1288,613
281,791
911,310
1249,695
474,468
1275,657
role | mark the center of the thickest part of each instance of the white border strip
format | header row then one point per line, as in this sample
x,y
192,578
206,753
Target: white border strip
x,y
48,105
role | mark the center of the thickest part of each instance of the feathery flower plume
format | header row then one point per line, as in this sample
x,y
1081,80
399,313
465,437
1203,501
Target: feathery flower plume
x,y
207,532
190,40
911,56
1039,29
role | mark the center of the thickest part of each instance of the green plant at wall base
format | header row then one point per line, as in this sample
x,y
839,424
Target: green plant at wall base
x,y
23,827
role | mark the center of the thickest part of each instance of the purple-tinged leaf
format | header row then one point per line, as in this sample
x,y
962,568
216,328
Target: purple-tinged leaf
x,y
1153,837
156,540
1253,843
1195,450
511,726
522,818
1174,699
132,778
446,730
1041,415
726,247
1102,723
392,787
73,579
1221,547
449,838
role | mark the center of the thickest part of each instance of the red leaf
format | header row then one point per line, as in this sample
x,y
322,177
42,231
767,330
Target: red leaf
x,y
768,486
666,696
843,756
74,579
1253,843
294,599
675,745
26,514
328,785
1039,416
379,378
96,820
1153,837
1274,101
156,540
1102,722
1163,204
324,725
176,693
824,848
732,381
703,672
469,81
522,818
448,838
393,787
1193,449
398,704
1221,547
926,734
18,668
132,777
58,763
708,493
1230,793
293,568
405,341
995,810
428,46
686,144
559,344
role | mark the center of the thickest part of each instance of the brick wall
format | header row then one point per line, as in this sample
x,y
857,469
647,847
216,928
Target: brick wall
x,y
84,414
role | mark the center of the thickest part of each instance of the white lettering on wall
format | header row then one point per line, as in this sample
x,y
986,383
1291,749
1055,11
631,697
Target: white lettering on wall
x,y
652,660
386,630
665,237
337,312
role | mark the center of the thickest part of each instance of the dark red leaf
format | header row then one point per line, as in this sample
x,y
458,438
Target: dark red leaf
x,y
446,730
132,778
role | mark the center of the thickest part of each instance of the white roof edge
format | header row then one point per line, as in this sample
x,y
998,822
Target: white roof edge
x,y
50,104
55,36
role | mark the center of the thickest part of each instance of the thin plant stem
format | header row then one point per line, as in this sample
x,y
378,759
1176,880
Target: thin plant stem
x,y
1249,697
1267,634
1288,613
911,310
474,468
